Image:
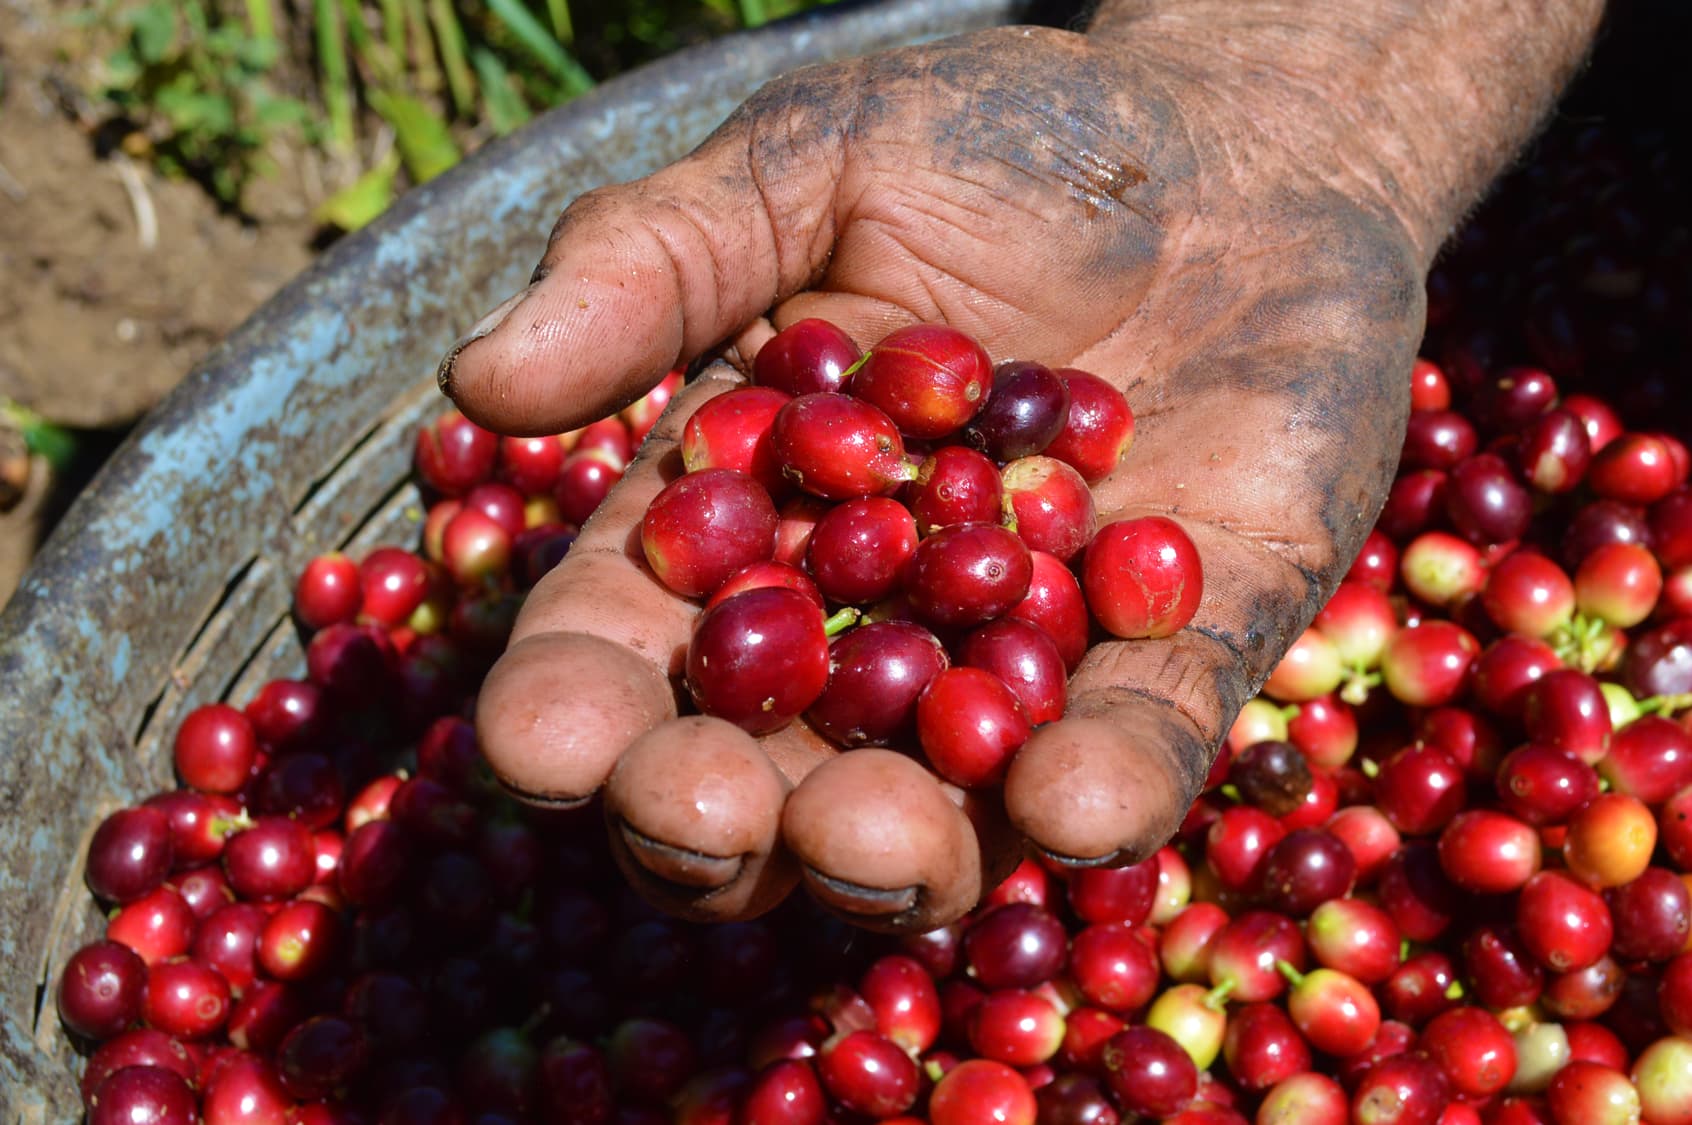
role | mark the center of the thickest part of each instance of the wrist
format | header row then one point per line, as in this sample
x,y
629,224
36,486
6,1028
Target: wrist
x,y
1413,105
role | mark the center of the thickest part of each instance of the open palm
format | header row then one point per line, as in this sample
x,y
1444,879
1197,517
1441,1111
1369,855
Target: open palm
x,y
1076,201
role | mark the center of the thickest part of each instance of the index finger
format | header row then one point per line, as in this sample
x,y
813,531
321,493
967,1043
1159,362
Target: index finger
x,y
642,276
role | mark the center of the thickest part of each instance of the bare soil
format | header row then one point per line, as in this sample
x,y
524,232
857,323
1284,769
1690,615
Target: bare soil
x,y
97,322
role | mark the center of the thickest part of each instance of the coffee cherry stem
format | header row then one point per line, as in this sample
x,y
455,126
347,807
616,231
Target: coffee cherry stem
x,y
1290,971
842,620
1358,683
1217,998
1583,642
226,826
1665,705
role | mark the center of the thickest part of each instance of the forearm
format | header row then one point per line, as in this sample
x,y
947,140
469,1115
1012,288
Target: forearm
x,y
1422,102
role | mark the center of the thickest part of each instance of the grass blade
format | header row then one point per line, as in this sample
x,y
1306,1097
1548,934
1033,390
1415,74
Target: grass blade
x,y
423,139
449,36
503,105
421,46
541,46
375,64
393,27
358,36
753,13
335,80
261,24
363,199
563,27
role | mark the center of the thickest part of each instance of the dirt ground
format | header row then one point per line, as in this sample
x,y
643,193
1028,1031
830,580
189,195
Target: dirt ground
x,y
113,280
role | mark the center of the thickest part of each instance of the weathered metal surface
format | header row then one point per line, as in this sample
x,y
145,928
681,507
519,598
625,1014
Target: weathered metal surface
x,y
167,584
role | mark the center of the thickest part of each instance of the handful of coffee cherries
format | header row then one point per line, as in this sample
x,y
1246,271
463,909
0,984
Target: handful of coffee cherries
x,y
902,546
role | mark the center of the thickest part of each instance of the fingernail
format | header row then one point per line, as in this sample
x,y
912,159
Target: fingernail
x,y
546,800
1081,863
682,866
443,374
855,898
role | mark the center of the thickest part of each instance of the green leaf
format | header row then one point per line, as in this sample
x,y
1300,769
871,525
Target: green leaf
x,y
261,22
449,37
191,110
539,43
424,142
226,185
393,26
153,30
363,199
194,15
123,70
272,112
563,26
335,80
41,437
257,55
504,105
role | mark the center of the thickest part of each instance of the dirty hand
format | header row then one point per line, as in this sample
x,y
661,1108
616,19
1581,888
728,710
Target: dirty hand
x,y
1226,210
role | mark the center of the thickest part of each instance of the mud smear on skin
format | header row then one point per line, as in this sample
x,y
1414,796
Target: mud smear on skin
x,y
979,113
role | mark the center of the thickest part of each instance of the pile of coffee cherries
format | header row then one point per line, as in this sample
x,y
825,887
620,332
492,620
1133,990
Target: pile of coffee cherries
x,y
1439,875
806,492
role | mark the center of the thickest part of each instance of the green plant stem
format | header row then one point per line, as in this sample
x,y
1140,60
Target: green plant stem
x,y
562,25
753,13
261,25
1665,705
502,106
421,42
541,46
199,63
378,67
393,27
842,620
449,37
335,79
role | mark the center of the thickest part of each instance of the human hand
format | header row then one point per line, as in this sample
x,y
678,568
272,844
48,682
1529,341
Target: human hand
x,y
1241,257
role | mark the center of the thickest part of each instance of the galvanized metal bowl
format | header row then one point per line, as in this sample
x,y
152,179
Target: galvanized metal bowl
x,y
167,585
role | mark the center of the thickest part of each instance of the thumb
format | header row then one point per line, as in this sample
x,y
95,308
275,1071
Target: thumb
x,y
641,277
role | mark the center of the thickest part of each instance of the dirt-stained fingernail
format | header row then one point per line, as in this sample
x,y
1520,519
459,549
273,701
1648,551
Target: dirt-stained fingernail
x,y
857,899
685,867
483,327
1082,863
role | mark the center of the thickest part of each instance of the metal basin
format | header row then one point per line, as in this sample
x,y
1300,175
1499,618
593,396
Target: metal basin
x,y
167,585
